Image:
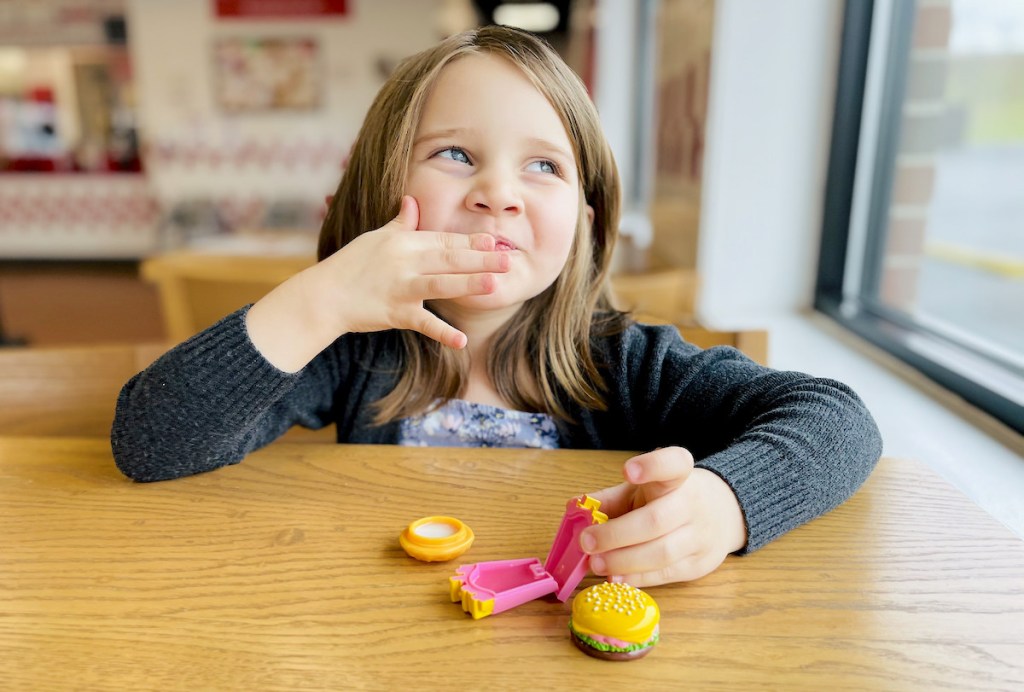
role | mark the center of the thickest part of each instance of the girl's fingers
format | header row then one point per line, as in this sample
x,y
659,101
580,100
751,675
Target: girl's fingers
x,y
688,569
654,520
430,252
441,286
460,261
408,214
660,471
666,468
429,324
651,556
429,241
649,477
616,500
480,241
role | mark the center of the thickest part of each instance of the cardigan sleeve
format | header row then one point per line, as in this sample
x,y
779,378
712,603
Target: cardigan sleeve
x,y
213,399
791,446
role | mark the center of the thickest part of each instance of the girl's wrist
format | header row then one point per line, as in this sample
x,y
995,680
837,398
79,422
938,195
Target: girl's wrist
x,y
324,303
318,304
293,323
728,511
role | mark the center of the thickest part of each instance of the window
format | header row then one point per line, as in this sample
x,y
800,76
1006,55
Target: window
x,y
923,240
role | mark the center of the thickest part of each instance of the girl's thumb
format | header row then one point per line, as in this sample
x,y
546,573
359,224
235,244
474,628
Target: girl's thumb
x,y
409,214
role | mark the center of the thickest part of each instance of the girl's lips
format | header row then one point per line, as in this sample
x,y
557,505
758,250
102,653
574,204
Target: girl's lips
x,y
503,244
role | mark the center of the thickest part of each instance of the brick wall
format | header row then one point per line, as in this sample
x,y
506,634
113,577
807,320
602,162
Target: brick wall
x,y
928,124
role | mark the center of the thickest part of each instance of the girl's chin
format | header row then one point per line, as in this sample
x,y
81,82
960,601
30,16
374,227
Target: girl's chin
x,y
508,296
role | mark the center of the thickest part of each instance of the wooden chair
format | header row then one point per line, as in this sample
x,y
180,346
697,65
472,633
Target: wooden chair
x,y
66,392
669,296
198,289
72,392
665,294
752,342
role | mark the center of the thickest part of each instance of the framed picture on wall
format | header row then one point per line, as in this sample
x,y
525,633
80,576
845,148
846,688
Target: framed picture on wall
x,y
253,74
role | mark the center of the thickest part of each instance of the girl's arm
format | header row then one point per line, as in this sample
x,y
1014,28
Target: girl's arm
x,y
211,400
245,381
743,454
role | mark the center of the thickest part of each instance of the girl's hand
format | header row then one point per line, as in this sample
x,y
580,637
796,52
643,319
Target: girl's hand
x,y
669,522
381,279
378,281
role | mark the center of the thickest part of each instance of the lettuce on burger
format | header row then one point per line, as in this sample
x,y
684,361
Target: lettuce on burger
x,y
614,621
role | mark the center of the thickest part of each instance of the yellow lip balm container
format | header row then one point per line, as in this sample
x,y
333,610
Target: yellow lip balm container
x,y
436,539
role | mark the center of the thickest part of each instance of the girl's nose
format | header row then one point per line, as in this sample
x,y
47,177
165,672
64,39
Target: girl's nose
x,y
494,195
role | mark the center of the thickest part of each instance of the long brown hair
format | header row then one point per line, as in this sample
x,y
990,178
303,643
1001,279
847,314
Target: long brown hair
x,y
551,333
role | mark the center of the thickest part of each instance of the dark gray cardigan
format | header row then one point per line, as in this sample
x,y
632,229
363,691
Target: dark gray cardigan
x,y
791,446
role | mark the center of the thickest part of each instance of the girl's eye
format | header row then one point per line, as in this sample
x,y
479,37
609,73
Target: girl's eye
x,y
543,167
453,153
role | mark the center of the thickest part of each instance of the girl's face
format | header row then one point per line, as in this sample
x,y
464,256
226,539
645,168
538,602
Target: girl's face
x,y
490,155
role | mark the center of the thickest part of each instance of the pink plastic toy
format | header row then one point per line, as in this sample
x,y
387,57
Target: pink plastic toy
x,y
486,588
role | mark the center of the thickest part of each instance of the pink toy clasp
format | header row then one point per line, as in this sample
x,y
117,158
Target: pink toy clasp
x,y
486,588
567,562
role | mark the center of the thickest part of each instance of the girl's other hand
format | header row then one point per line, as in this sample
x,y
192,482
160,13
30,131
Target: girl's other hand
x,y
668,522
381,279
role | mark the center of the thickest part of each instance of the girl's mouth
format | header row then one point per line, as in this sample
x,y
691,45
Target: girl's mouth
x,y
503,244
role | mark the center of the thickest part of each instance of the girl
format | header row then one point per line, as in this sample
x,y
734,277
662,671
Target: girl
x,y
480,315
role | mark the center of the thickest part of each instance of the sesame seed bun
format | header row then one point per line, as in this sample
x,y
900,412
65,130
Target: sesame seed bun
x,y
614,621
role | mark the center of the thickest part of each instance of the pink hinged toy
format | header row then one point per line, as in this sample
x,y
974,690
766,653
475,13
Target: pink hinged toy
x,y
486,588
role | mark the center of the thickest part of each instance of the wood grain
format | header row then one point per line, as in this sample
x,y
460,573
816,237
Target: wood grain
x,y
285,572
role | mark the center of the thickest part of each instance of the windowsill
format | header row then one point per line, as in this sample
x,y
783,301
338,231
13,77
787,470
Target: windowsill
x,y
918,419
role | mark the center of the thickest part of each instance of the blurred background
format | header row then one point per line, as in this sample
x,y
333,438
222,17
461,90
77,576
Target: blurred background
x,y
837,187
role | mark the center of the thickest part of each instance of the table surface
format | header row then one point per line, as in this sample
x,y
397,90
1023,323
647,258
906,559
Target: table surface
x,y
285,572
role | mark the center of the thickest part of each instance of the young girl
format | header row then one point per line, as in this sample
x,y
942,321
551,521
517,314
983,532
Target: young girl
x,y
479,315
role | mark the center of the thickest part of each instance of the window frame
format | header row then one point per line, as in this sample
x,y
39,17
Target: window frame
x,y
851,249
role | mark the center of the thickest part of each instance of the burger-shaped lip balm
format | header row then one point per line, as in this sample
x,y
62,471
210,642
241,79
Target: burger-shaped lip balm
x,y
614,621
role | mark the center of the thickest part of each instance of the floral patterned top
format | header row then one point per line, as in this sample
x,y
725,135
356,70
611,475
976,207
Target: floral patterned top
x,y
459,423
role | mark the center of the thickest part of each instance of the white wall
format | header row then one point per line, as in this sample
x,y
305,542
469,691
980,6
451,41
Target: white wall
x,y
773,75
619,26
172,54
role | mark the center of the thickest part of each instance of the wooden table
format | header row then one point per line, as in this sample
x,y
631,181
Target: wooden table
x,y
285,573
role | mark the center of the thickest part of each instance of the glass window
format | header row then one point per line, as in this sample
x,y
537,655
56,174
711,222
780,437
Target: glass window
x,y
923,244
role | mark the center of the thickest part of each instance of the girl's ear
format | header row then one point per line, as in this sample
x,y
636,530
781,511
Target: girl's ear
x,y
590,216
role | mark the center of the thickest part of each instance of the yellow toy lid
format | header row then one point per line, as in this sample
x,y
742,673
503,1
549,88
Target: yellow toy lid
x,y
436,539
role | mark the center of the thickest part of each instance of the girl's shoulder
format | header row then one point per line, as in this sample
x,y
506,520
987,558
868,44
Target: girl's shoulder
x,y
650,348
636,337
